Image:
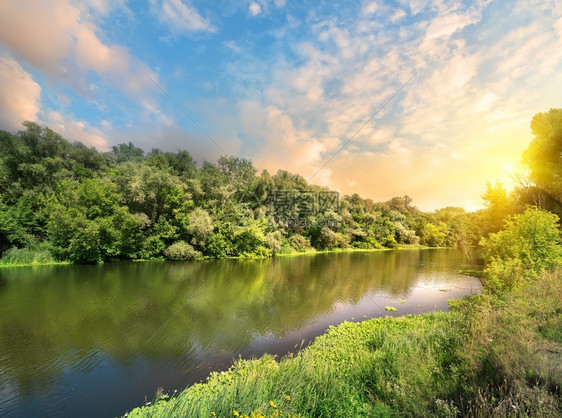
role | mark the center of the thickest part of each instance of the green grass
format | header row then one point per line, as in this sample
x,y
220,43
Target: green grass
x,y
19,257
487,357
400,247
349,371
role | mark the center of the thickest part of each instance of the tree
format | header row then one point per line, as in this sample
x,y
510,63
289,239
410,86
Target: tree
x,y
128,152
543,156
87,224
498,206
200,227
529,244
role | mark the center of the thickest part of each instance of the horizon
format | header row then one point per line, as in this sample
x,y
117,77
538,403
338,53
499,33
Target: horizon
x,y
297,87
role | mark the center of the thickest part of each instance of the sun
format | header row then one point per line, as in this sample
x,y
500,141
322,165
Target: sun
x,y
508,168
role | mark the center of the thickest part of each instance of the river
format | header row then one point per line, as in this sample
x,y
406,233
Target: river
x,y
98,340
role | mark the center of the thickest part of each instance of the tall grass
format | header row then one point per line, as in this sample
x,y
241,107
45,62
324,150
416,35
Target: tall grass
x,y
514,354
26,256
357,369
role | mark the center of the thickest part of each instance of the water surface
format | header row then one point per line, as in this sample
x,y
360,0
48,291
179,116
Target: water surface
x,y
96,340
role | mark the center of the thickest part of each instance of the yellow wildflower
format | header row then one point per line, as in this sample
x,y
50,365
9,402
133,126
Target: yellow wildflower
x,y
272,404
235,413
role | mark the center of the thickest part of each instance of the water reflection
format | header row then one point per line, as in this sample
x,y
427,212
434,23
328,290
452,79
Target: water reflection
x,y
71,335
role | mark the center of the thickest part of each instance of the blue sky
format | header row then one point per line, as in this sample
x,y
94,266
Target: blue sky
x,y
288,83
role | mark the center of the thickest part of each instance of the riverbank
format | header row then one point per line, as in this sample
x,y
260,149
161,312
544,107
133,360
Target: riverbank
x,y
32,264
486,357
33,260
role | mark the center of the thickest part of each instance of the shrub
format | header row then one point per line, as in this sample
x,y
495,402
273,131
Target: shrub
x,y
299,243
181,250
528,245
218,246
273,241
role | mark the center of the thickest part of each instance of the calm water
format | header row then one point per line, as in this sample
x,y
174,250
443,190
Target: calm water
x,y
97,340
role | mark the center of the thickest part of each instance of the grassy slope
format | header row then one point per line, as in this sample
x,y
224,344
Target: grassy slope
x,y
487,357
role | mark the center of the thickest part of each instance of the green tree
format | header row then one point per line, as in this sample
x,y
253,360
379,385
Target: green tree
x,y
127,152
498,207
543,156
87,224
200,227
528,245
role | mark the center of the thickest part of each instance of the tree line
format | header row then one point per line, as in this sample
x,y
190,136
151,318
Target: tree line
x,y
70,202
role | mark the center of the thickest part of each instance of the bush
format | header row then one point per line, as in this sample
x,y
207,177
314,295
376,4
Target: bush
x,y
218,246
299,243
181,250
528,245
273,241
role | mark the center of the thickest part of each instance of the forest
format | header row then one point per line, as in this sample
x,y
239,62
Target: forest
x,y
63,201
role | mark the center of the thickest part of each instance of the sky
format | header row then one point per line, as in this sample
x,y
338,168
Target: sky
x,y
302,86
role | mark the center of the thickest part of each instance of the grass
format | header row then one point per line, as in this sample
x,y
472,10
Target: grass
x,y
24,257
400,247
488,357
20,257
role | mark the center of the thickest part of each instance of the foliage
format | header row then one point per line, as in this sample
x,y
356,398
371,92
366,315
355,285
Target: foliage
x,y
498,207
543,156
200,227
181,250
88,206
25,256
299,243
86,224
529,244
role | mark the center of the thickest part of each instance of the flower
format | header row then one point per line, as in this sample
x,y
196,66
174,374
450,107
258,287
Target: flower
x,y
272,404
235,413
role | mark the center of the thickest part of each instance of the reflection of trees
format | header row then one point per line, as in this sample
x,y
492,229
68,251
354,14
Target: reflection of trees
x,y
50,315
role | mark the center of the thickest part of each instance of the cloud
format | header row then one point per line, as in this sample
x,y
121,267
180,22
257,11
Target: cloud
x,y
180,17
20,95
254,9
233,46
264,7
61,40
456,125
103,7
77,130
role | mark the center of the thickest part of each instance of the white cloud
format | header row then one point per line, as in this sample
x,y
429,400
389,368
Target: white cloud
x,y
182,18
398,15
254,9
233,46
370,8
457,122
20,95
449,24
77,130
102,7
61,40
